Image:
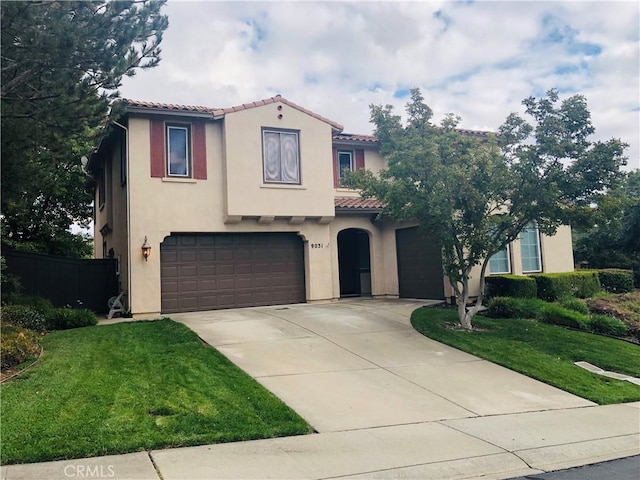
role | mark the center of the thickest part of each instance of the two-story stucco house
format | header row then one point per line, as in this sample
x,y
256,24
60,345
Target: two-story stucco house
x,y
243,206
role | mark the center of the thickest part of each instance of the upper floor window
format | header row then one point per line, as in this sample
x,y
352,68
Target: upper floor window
x,y
500,262
281,156
178,150
530,248
345,164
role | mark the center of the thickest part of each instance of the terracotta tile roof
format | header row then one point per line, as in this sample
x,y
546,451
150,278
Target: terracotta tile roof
x,y
167,106
357,203
221,112
475,133
354,137
281,99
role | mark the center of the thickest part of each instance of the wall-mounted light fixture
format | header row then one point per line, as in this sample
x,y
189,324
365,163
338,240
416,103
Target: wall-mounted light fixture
x,y
146,249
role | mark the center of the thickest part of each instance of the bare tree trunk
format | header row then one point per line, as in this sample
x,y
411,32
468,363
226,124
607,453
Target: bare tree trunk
x,y
462,297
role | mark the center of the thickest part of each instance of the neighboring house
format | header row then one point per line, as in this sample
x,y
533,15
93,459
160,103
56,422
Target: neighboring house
x,y
243,206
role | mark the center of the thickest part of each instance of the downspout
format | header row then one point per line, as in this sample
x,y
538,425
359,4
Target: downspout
x,y
128,182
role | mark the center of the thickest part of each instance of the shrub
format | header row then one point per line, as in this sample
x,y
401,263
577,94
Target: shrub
x,y
23,316
18,345
607,325
510,307
616,280
510,286
557,315
575,304
43,305
581,284
65,318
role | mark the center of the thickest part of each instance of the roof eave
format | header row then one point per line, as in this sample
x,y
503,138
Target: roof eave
x,y
356,211
168,112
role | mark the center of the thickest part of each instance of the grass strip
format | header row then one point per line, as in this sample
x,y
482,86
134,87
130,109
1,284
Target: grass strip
x,y
541,351
131,387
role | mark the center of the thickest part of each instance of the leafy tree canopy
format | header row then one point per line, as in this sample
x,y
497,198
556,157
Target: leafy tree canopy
x,y
62,63
612,238
475,192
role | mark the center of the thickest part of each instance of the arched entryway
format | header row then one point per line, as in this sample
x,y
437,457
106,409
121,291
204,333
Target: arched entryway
x,y
354,262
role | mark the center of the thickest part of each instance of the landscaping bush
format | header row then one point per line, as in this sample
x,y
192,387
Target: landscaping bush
x,y
18,345
65,318
510,307
23,316
43,305
574,304
581,284
607,325
616,280
510,286
557,315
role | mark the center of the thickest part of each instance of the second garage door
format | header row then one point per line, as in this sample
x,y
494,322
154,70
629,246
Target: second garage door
x,y
215,271
420,273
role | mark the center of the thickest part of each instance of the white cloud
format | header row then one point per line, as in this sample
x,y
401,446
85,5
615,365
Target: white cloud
x,y
476,59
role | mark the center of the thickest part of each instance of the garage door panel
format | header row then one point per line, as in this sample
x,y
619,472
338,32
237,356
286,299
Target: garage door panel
x,y
188,256
244,269
208,255
212,271
224,254
187,240
206,270
169,255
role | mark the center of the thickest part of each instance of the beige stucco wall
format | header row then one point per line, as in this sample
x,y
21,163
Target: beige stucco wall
x,y
557,251
160,206
247,194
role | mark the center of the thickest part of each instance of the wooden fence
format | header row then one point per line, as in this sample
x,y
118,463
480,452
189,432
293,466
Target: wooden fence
x,y
65,281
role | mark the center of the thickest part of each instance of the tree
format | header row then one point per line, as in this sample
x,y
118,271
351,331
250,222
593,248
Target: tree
x,y
62,63
475,193
612,238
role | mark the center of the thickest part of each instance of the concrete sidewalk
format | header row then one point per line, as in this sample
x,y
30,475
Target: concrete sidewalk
x,y
386,401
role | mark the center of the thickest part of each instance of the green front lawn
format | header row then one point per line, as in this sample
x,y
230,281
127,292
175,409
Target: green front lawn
x,y
541,351
130,387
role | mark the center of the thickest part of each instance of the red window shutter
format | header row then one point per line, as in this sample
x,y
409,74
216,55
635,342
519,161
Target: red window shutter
x,y
199,152
157,148
336,179
359,159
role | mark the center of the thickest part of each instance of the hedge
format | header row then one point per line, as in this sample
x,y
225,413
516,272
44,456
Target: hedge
x,y
607,325
65,318
23,316
510,286
616,280
557,315
553,286
512,307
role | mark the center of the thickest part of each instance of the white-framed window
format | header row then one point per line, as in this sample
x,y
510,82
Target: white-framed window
x,y
178,150
500,262
345,163
530,249
281,156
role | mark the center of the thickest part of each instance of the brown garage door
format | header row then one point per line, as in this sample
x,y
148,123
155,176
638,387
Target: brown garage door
x,y
420,273
214,271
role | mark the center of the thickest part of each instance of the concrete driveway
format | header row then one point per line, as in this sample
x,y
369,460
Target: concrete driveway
x,y
359,364
388,403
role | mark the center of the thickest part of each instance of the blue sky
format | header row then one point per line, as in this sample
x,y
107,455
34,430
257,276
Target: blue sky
x,y
475,59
